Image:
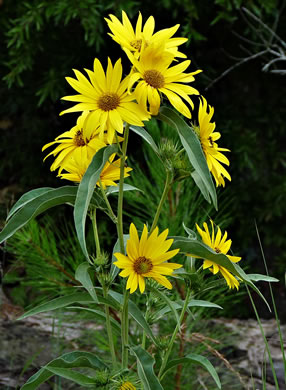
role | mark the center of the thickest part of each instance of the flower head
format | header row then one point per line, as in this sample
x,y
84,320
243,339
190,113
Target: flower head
x,y
138,39
156,77
219,244
127,386
107,99
146,258
208,138
78,164
74,142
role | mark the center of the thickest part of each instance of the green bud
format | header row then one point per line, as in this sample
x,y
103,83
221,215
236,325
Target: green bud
x,y
101,260
102,378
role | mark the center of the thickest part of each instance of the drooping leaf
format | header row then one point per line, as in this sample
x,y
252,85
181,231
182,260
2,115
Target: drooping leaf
x,y
36,206
262,278
126,187
57,303
76,359
135,313
83,276
26,198
194,151
99,314
192,303
74,376
201,250
145,363
85,191
171,305
198,359
147,137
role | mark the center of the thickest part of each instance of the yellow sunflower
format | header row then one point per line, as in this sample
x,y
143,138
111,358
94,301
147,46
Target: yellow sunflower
x,y
156,77
124,34
127,386
107,99
78,164
208,138
73,142
219,244
146,258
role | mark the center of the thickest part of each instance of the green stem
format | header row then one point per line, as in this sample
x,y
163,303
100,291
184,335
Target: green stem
x,y
124,330
112,215
170,346
109,330
162,200
144,339
120,194
124,314
95,232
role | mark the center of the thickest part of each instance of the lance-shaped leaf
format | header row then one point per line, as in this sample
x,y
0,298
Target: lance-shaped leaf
x,y
194,247
85,191
83,276
262,278
192,303
126,187
147,137
26,198
194,151
57,303
68,360
74,376
36,206
198,359
145,363
135,313
171,305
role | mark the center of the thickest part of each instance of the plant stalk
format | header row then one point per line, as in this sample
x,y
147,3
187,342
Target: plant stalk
x,y
170,346
109,330
124,314
162,200
95,232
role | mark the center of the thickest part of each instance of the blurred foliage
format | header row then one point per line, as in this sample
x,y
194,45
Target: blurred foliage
x,y
41,41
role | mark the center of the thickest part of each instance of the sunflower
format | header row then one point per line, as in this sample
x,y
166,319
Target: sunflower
x,y
78,164
156,77
73,142
135,41
107,99
146,258
219,244
208,138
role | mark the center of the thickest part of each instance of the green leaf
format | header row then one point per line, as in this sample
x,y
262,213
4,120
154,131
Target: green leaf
x,y
83,276
26,198
145,363
36,206
99,314
194,247
76,359
202,187
192,303
77,377
115,270
147,137
171,306
57,303
264,278
85,191
135,313
194,151
194,358
126,187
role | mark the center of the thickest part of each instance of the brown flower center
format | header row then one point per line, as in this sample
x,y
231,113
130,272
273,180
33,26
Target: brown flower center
x,y
136,44
79,140
142,265
154,78
217,250
108,101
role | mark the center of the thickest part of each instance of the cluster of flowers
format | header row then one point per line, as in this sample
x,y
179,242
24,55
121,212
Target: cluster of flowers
x,y
107,101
